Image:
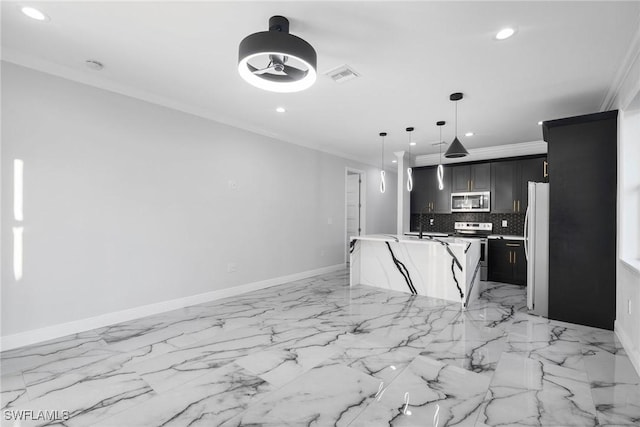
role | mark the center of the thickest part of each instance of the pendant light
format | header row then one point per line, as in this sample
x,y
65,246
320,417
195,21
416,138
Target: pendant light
x,y
440,167
409,170
382,183
456,149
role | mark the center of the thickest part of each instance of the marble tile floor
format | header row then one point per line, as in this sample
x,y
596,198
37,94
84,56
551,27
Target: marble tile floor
x,y
317,352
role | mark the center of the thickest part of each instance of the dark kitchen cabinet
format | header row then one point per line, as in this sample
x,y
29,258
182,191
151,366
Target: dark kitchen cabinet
x,y
507,262
582,218
426,197
509,182
474,177
420,195
529,170
503,182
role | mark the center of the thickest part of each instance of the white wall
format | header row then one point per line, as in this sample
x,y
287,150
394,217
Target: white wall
x,y
127,203
628,271
627,100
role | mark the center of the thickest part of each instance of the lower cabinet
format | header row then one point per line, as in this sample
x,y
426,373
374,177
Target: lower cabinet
x,y
507,262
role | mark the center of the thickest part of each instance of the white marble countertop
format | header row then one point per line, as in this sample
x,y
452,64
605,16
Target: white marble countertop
x,y
425,233
414,239
505,236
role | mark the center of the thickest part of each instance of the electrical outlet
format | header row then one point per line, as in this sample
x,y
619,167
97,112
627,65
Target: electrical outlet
x,y
504,223
232,267
430,221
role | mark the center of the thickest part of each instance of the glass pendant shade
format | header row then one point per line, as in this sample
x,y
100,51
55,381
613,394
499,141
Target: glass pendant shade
x,y
382,183
440,177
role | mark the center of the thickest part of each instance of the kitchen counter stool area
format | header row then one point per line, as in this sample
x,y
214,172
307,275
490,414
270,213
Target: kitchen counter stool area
x,y
321,352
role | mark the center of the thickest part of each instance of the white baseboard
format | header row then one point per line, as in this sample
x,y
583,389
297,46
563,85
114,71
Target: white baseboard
x,y
63,329
627,344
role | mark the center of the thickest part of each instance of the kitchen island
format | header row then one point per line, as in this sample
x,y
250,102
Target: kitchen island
x,y
438,267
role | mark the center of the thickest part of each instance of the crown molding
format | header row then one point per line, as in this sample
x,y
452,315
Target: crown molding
x,y
81,76
487,153
626,83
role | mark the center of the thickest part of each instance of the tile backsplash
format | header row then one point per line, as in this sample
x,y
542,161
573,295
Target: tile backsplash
x,y
443,223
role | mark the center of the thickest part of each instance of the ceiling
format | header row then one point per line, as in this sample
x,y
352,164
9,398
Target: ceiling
x,y
563,60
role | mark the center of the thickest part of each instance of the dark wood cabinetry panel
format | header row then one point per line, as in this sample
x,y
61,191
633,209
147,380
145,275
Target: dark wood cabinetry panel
x,y
499,266
509,182
420,196
481,177
582,218
426,196
503,194
443,197
461,176
530,170
474,177
519,265
507,262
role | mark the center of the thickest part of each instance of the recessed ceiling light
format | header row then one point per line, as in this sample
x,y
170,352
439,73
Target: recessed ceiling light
x,y
505,33
394,161
469,134
280,110
412,144
540,123
34,13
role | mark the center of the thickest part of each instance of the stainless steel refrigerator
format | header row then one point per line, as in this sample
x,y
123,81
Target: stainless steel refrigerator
x,y
536,247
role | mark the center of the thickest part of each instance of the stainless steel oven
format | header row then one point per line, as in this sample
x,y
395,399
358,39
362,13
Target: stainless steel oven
x,y
471,202
480,231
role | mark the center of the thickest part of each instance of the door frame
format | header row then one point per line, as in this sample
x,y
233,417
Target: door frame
x,y
363,204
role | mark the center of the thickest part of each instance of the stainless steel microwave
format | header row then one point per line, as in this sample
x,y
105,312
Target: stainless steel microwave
x,y
471,202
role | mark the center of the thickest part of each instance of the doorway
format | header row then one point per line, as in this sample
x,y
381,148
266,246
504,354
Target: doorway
x,y
355,206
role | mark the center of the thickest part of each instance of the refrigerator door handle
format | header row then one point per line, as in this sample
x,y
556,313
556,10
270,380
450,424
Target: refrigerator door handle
x,y
526,233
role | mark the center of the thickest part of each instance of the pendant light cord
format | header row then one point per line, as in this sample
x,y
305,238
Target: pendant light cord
x,y
382,155
456,119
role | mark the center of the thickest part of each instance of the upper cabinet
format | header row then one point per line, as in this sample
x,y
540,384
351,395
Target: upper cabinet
x,y
506,179
503,193
426,197
510,180
475,177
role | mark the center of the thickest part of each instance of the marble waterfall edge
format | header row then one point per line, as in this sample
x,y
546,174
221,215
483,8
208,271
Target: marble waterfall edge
x,y
445,268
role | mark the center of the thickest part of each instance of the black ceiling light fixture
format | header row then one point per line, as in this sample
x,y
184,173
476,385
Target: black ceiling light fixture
x,y
277,61
456,149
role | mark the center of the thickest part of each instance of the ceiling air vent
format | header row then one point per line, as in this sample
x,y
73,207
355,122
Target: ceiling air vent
x,y
342,74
